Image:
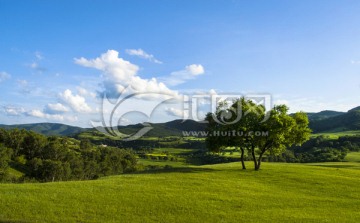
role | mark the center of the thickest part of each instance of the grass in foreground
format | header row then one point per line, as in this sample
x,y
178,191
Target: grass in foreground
x,y
216,193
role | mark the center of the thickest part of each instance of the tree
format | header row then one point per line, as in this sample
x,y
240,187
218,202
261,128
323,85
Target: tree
x,y
5,155
85,144
283,131
256,131
14,141
33,145
226,129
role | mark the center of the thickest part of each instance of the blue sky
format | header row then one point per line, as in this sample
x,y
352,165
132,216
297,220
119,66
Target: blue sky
x,y
305,54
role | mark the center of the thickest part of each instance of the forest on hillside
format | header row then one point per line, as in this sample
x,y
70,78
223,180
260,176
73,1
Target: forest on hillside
x,y
54,158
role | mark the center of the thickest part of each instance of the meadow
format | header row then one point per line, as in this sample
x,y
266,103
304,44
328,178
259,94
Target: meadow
x,y
337,134
280,192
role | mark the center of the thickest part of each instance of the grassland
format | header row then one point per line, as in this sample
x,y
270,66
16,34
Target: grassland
x,y
352,161
213,193
337,134
353,157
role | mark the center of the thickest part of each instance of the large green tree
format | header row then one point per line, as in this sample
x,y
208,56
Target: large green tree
x,y
250,127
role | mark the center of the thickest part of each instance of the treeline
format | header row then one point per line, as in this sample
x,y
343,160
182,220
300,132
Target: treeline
x,y
202,157
45,159
348,121
319,149
160,142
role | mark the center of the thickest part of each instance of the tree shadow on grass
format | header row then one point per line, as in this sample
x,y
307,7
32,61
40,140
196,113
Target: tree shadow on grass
x,y
12,221
337,166
176,170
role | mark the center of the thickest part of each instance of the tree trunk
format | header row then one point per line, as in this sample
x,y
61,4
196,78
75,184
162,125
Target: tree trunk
x,y
242,158
259,160
254,158
259,164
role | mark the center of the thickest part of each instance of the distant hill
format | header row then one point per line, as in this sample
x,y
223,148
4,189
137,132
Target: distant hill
x,y
172,128
331,121
323,115
49,129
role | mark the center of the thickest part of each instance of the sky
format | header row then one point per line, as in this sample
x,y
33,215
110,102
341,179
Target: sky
x,y
74,62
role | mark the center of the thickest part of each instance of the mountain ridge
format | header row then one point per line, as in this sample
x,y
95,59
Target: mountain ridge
x,y
323,121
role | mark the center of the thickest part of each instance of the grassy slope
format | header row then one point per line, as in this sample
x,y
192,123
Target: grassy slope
x,y
353,157
335,134
216,193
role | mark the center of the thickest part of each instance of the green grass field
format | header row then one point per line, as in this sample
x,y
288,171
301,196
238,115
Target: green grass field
x,y
337,134
213,193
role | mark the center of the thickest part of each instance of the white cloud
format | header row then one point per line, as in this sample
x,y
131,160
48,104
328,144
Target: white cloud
x,y
120,74
36,113
39,114
83,92
4,76
58,117
355,61
76,102
174,112
13,111
212,92
179,77
195,69
55,108
142,54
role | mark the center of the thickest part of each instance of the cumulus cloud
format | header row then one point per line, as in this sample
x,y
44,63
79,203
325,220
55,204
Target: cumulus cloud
x,y
119,74
13,110
83,92
76,102
174,112
55,108
4,76
195,69
179,77
142,54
